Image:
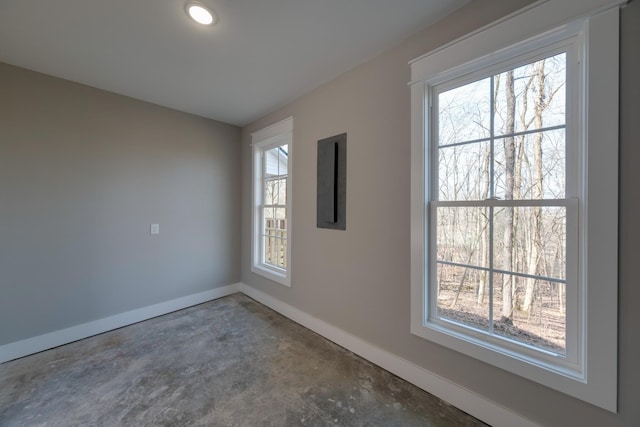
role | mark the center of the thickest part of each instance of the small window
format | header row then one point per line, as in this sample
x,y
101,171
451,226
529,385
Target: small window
x,y
272,201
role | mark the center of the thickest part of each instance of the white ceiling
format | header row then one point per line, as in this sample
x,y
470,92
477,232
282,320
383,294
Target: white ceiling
x,y
261,54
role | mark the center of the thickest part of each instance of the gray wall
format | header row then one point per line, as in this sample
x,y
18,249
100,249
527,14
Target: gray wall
x,y
83,173
358,279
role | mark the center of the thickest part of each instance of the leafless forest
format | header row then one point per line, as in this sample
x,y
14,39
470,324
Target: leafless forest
x,y
500,213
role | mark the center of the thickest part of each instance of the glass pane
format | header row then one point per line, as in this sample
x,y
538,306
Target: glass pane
x,y
464,113
281,217
269,218
531,240
535,168
275,161
282,191
275,191
282,253
536,315
532,96
463,235
271,192
463,171
269,250
278,254
463,296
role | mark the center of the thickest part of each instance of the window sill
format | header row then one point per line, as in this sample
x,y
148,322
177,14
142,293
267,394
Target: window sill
x,y
281,277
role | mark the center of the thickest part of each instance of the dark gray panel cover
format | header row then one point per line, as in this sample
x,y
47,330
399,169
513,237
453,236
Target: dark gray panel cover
x,y
332,182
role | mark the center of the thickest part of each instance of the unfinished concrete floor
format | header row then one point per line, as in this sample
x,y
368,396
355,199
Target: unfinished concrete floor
x,y
229,362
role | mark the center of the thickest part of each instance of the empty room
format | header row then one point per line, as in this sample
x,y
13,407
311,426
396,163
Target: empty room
x,y
322,213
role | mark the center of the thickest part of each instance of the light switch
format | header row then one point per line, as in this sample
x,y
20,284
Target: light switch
x,y
155,228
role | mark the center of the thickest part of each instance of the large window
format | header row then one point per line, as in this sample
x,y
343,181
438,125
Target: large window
x,y
272,201
500,203
514,184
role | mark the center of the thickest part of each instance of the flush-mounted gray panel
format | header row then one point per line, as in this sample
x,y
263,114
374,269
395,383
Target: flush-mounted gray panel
x,y
327,206
332,182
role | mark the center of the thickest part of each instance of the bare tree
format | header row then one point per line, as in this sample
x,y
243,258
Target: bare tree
x,y
507,239
536,245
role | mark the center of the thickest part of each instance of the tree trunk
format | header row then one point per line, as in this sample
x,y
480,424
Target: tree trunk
x,y
484,241
535,253
507,238
519,252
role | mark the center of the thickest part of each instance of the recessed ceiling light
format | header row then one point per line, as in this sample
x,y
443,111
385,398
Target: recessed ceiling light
x,y
200,12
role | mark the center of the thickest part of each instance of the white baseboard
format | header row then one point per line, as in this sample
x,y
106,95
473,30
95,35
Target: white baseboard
x,y
33,345
468,401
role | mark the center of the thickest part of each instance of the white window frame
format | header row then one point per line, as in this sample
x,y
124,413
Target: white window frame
x,y
589,370
272,136
525,53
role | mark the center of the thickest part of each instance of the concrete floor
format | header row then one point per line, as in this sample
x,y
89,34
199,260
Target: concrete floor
x,y
229,362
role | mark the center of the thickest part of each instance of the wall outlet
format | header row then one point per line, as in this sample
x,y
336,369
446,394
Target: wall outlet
x,y
155,229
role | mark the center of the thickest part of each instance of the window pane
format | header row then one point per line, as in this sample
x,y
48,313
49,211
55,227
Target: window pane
x,y
276,191
275,161
269,250
277,254
531,97
543,323
531,240
464,113
282,191
463,171
280,215
269,218
463,235
463,296
271,192
282,253
275,250
536,168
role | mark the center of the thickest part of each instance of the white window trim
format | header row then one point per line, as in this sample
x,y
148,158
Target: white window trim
x,y
594,377
277,134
